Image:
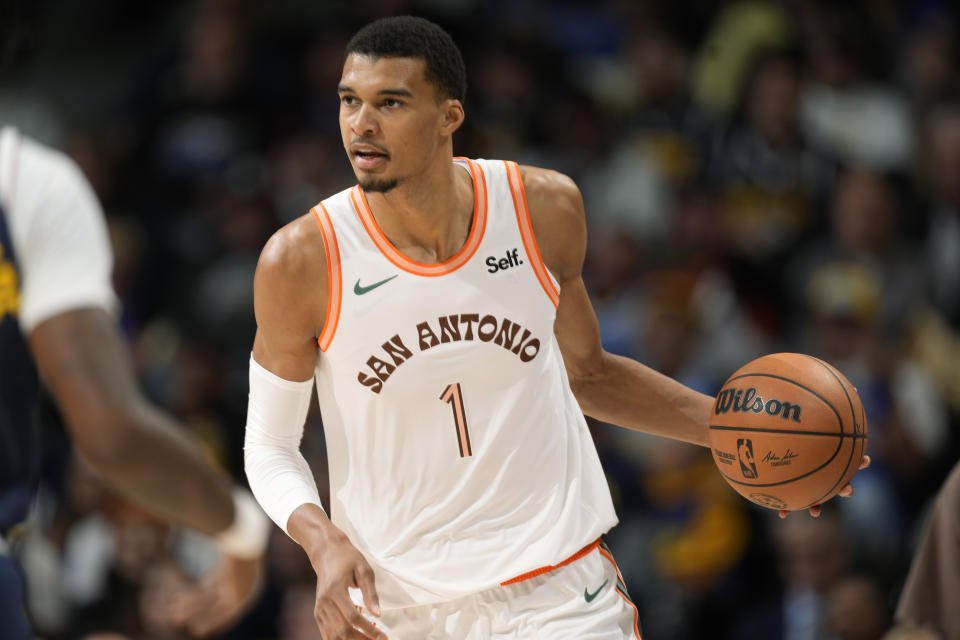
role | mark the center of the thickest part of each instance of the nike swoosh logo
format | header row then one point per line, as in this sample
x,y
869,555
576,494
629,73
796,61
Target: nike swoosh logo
x,y
357,289
590,596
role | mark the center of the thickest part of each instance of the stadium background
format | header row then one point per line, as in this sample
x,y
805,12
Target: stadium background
x,y
758,177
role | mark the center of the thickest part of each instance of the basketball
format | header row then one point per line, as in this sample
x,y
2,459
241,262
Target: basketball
x,y
787,431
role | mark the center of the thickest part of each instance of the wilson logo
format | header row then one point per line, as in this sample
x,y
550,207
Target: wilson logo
x,y
748,465
749,401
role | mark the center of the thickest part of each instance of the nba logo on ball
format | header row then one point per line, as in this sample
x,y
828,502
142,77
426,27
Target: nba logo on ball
x,y
795,425
745,452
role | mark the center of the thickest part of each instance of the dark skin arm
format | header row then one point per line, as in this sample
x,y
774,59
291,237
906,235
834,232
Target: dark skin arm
x,y
140,451
608,387
84,363
290,301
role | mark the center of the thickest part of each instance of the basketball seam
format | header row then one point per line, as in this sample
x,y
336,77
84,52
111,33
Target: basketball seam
x,y
830,434
853,415
839,437
793,479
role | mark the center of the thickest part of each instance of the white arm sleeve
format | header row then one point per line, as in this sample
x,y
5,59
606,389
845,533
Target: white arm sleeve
x,y
58,231
279,476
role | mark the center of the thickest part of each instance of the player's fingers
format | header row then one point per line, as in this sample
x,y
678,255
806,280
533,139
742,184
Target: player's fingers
x,y
364,579
815,511
328,620
364,626
846,492
354,624
783,513
865,462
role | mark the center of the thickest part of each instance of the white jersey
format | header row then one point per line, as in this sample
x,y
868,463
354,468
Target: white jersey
x,y
459,457
57,229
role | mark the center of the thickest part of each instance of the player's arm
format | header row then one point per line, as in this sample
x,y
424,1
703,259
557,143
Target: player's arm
x,y
290,301
608,387
66,299
65,313
145,456
84,363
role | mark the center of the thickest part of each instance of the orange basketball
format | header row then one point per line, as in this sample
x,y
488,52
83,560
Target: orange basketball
x,y
787,431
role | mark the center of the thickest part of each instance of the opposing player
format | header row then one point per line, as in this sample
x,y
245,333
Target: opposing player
x,y
56,318
440,308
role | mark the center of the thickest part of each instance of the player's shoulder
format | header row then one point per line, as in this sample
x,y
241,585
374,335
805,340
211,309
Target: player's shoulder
x,y
557,217
34,163
33,172
295,253
551,191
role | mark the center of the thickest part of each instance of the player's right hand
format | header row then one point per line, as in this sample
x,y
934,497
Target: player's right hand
x,y
222,596
338,566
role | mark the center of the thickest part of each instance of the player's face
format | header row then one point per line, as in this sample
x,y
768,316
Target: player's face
x,y
391,120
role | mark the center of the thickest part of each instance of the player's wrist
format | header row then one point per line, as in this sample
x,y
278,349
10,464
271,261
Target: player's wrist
x,y
310,527
248,534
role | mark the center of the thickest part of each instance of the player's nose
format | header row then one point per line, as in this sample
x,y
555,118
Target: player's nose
x,y
364,122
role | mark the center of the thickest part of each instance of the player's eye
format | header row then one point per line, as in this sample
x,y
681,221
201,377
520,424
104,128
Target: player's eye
x,y
347,100
391,103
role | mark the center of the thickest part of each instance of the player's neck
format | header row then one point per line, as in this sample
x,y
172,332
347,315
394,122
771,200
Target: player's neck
x,y
427,218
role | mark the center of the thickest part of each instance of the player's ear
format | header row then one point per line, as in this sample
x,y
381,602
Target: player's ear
x,y
453,115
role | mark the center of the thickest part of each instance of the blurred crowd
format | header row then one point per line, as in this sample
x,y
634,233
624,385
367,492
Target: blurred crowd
x,y
759,176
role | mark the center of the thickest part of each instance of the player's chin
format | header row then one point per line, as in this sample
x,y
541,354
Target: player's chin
x,y
376,184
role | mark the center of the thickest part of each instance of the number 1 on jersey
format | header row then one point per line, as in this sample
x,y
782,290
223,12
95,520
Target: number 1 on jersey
x,y
454,397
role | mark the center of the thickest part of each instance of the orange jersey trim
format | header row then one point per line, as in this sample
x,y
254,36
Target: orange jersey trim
x,y
526,231
636,612
542,570
334,279
391,253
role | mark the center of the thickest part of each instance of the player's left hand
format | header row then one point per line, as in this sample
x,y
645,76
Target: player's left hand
x,y
221,597
845,492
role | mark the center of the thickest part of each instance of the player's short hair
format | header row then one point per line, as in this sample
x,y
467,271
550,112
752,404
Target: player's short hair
x,y
412,37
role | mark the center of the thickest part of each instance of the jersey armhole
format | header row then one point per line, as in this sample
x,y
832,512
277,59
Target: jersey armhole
x,y
334,278
526,232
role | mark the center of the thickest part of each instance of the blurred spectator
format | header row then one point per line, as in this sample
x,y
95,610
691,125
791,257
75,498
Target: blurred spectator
x,y
612,272
140,544
864,229
844,109
661,146
942,164
770,183
812,556
936,331
908,424
856,610
928,64
740,31
682,531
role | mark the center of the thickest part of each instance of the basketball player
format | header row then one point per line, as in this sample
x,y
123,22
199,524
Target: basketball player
x,y
56,318
440,308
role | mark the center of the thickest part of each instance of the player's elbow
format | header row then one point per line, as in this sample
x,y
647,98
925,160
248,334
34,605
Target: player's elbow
x,y
586,377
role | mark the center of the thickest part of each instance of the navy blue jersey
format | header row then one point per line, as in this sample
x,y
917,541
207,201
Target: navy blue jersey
x,y
19,447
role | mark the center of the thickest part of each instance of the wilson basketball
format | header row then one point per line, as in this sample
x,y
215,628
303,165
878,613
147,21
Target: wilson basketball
x,y
787,431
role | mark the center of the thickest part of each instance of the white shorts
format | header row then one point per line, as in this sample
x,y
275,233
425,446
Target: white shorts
x,y
582,598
